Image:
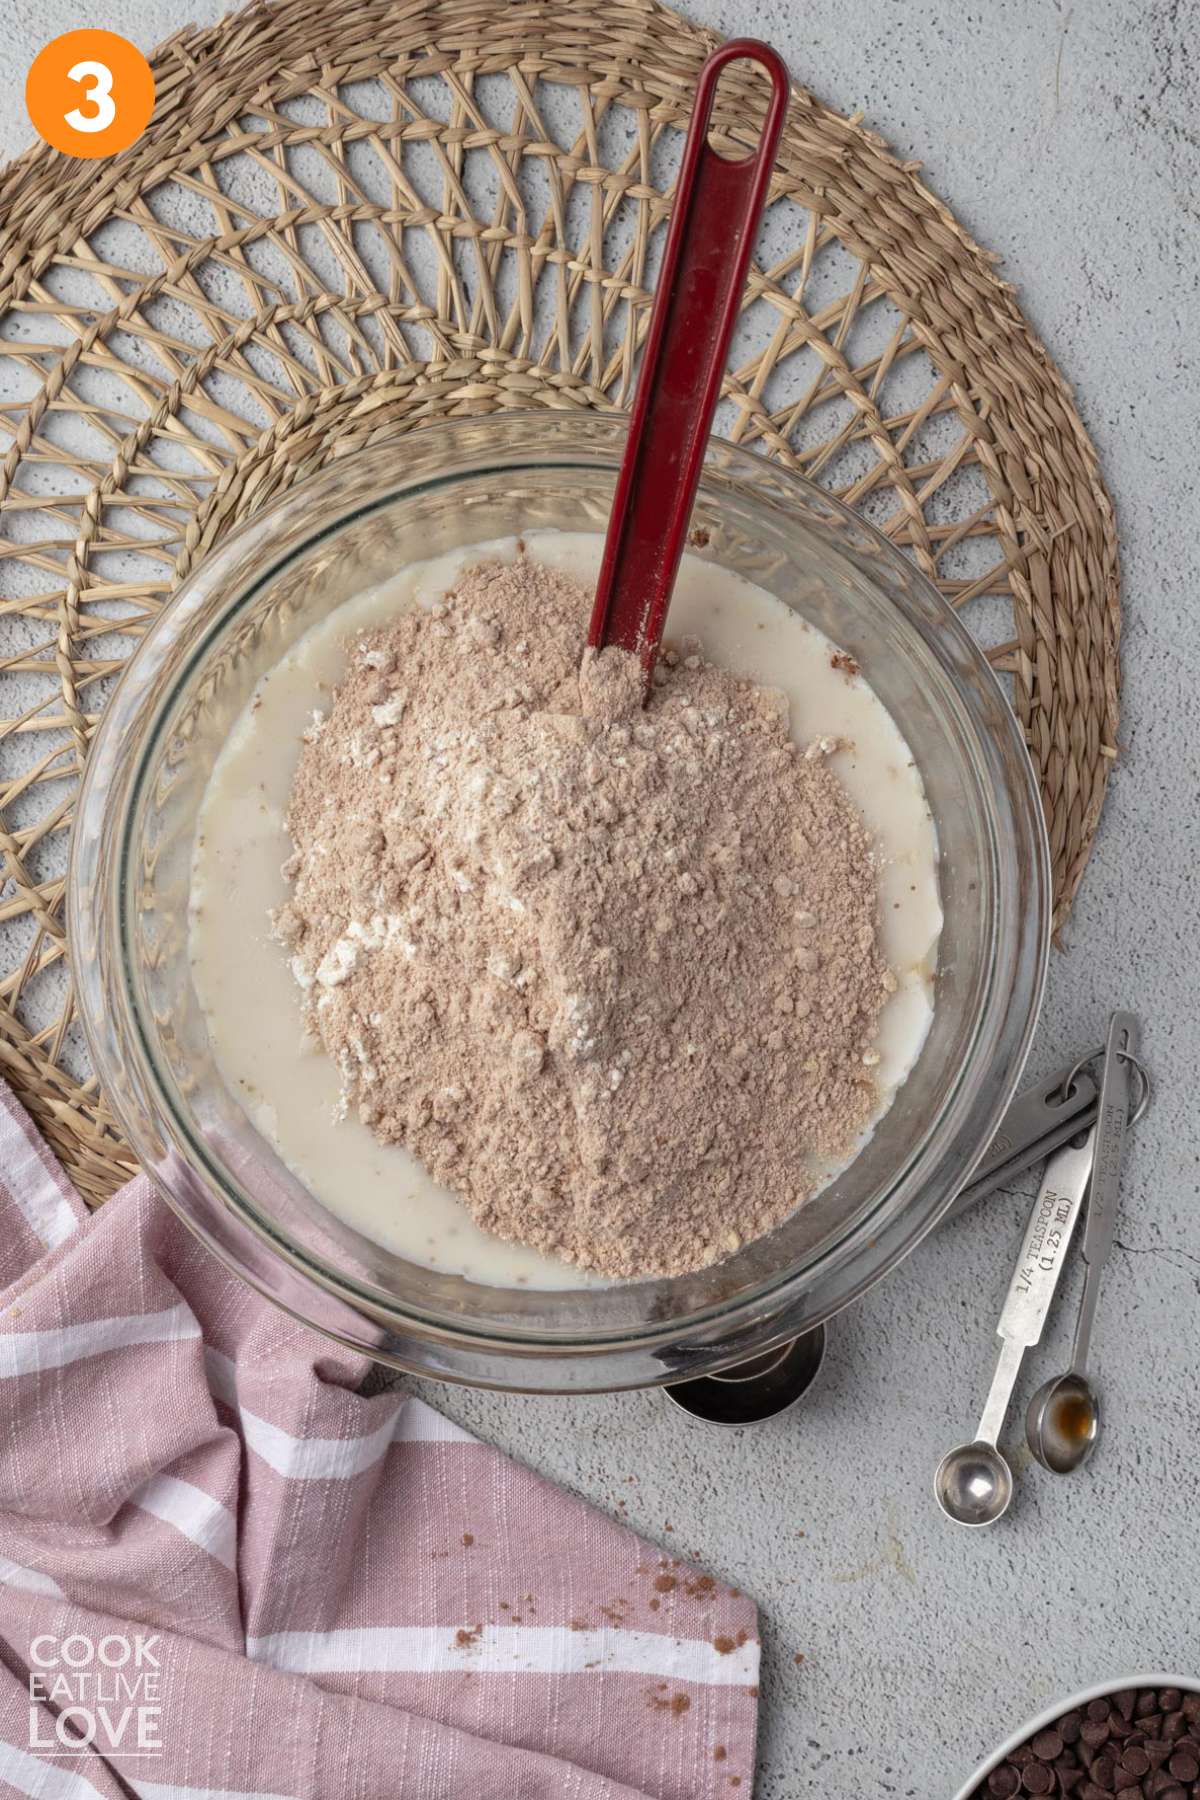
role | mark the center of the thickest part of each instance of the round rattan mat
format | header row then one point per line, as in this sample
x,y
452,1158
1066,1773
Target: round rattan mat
x,y
344,221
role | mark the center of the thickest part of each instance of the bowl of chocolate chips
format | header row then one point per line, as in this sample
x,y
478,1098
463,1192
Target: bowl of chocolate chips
x,y
1134,1739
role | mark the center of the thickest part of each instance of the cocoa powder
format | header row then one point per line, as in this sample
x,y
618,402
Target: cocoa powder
x,y
610,971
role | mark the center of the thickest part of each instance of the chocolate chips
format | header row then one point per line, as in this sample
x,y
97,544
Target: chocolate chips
x,y
1127,1746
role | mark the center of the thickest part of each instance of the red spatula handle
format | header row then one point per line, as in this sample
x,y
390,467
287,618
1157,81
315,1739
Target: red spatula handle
x,y
713,225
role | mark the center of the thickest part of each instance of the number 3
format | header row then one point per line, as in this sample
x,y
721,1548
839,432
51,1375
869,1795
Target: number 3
x,y
99,94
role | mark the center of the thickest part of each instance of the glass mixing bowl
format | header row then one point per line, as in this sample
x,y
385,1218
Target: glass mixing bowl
x,y
353,525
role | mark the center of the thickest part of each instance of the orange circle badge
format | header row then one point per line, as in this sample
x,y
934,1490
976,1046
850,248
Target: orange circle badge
x,y
89,93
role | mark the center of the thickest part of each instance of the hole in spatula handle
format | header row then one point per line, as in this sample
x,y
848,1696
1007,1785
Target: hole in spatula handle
x,y
756,88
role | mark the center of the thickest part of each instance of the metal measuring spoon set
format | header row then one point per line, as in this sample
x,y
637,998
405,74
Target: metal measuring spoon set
x,y
974,1483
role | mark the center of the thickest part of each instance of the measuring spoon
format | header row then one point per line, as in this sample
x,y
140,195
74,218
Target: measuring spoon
x,y
1062,1424
974,1483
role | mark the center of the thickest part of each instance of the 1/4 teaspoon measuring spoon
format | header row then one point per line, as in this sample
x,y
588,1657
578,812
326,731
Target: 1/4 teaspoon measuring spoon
x,y
974,1483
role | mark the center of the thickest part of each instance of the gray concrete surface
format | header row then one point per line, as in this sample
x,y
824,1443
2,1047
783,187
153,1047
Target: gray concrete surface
x,y
1067,137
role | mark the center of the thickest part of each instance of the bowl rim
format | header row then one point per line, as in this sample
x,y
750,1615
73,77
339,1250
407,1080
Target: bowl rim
x,y
566,440
1097,1691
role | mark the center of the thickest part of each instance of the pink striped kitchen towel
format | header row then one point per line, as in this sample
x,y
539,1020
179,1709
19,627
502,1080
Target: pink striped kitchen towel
x,y
227,1575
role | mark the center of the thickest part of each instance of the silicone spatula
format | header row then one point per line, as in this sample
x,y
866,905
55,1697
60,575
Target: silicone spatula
x,y
718,203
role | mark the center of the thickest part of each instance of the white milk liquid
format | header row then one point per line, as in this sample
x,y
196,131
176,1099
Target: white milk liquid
x,y
284,1080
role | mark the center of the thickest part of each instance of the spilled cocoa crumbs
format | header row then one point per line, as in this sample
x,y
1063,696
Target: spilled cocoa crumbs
x,y
609,971
677,1705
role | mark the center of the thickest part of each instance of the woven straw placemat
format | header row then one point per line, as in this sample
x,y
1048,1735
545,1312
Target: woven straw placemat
x,y
346,220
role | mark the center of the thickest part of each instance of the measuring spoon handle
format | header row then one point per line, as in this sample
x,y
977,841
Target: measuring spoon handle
x,y
995,1407
1112,1122
1046,1242
1039,1120
1116,1086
